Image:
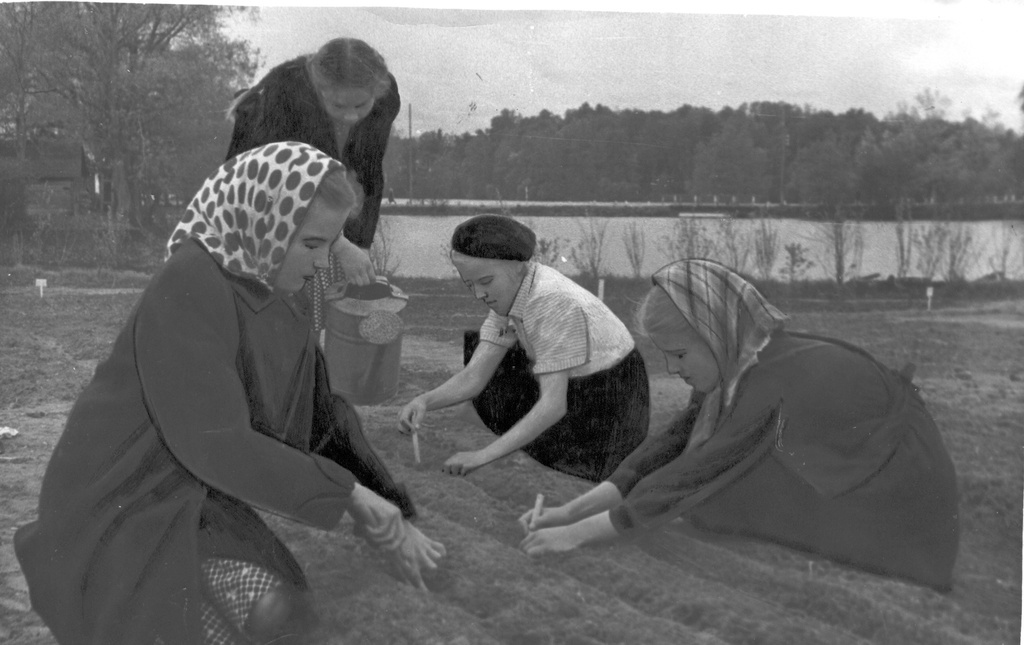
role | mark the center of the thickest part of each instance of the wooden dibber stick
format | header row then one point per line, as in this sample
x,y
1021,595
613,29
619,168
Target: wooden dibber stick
x,y
538,507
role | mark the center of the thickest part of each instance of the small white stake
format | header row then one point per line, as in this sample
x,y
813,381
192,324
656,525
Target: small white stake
x,y
538,508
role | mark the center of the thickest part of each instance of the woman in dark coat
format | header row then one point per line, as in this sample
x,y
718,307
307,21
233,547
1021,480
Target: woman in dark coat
x,y
801,440
341,100
213,403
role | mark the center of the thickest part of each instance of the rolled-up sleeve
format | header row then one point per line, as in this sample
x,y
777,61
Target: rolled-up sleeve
x,y
498,330
186,342
557,329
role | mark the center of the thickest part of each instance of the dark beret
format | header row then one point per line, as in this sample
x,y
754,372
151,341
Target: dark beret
x,y
494,237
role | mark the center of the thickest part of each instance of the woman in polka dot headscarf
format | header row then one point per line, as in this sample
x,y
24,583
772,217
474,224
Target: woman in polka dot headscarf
x,y
214,402
246,212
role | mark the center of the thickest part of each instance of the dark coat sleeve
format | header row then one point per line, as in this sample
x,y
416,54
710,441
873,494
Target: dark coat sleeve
x,y
365,154
284,106
676,482
655,451
186,340
338,435
666,476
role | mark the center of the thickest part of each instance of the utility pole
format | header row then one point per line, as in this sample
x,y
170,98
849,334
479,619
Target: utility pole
x,y
782,161
410,152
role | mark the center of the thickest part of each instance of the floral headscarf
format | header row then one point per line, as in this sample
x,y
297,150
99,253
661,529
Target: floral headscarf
x,y
248,210
730,316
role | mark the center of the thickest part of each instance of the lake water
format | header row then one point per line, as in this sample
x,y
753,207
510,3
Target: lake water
x,y
420,244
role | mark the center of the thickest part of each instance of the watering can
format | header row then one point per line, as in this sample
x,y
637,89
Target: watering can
x,y
363,340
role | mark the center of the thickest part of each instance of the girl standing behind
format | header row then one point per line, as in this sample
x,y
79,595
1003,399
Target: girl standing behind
x,y
341,100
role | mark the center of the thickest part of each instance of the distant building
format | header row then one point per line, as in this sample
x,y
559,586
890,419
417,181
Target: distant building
x,y
59,175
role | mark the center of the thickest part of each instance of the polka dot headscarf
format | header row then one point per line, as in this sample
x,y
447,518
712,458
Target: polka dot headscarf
x,y
248,210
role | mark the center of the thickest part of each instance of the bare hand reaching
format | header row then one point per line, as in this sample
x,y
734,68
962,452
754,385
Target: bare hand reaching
x,y
463,463
549,518
354,261
554,540
411,415
596,528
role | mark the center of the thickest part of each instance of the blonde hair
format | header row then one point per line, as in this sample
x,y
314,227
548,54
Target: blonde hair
x,y
336,191
350,62
657,314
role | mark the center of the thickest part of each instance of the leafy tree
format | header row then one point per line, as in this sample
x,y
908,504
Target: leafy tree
x,y
885,164
968,160
187,133
730,164
20,53
126,69
824,173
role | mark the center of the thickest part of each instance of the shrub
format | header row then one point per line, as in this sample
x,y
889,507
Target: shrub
x,y
766,248
88,240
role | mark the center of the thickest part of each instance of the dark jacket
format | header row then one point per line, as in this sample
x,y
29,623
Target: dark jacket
x,y
825,450
284,106
213,402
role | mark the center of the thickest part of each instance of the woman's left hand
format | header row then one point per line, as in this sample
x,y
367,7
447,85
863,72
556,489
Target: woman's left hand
x,y
596,528
463,463
553,540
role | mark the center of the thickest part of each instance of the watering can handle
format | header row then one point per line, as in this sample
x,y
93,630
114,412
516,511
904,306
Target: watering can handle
x,y
373,291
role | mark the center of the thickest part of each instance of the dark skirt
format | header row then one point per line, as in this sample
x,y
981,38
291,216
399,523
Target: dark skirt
x,y
607,413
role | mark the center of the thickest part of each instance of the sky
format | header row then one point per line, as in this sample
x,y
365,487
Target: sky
x,y
457,66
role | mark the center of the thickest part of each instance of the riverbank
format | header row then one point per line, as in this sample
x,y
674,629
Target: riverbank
x,y
726,207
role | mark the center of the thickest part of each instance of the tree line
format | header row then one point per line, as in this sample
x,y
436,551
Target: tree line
x,y
144,87
765,152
